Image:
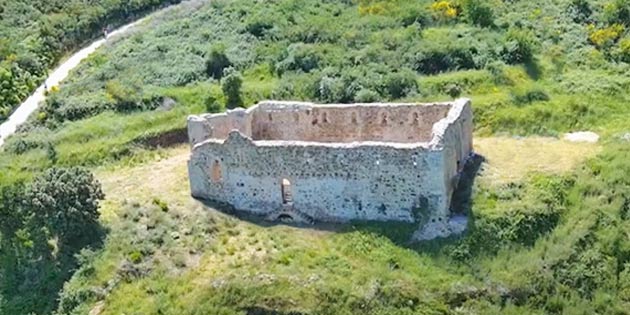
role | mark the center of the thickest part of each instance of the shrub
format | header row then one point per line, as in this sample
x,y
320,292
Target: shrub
x,y
528,96
444,11
605,37
580,10
299,56
212,104
258,27
453,90
231,86
623,50
519,46
217,62
367,96
478,12
433,59
331,90
617,12
399,84
126,97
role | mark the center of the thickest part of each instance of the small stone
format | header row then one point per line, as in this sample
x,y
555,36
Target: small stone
x,y
582,136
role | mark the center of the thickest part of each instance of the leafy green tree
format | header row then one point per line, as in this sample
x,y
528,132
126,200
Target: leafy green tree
x,y
11,214
66,202
231,86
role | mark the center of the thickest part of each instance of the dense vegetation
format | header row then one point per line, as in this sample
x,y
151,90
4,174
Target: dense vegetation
x,y
34,35
550,244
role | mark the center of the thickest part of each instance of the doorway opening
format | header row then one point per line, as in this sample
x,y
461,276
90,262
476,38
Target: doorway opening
x,y
216,175
287,196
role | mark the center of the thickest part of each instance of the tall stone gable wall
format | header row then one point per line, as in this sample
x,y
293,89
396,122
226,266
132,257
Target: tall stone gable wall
x,y
337,171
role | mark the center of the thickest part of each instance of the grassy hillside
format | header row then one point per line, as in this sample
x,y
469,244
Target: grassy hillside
x,y
550,223
35,34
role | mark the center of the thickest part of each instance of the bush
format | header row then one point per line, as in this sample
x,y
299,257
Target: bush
x,y
217,62
212,104
606,36
367,96
331,90
399,84
519,47
453,90
299,56
231,86
529,95
580,10
617,12
478,12
126,97
623,50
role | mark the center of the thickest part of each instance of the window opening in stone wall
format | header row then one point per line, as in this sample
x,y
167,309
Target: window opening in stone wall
x,y
384,119
325,117
287,196
217,176
416,119
354,118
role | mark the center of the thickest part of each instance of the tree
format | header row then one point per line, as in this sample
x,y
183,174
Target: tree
x,y
231,86
11,215
66,202
217,62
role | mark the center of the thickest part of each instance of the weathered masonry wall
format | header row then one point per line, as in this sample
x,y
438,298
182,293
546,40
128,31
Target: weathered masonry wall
x,y
405,123
333,162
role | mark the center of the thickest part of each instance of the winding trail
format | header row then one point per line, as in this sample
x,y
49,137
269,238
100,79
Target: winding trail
x,y
20,115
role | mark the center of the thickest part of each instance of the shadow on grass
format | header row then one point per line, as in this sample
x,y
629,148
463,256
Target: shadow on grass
x,y
533,69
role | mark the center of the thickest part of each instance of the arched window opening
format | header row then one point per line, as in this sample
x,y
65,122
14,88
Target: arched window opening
x,y
216,173
384,120
287,196
325,117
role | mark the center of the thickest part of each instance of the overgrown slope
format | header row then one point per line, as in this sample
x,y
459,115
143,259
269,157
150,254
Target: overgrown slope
x,y
36,34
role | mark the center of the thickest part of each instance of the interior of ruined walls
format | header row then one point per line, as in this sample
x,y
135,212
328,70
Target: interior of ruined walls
x,y
399,123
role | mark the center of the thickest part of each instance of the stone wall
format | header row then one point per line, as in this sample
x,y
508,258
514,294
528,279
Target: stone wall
x,y
337,163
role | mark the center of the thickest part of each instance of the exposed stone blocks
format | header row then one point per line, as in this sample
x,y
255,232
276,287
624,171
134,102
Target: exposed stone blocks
x,y
333,162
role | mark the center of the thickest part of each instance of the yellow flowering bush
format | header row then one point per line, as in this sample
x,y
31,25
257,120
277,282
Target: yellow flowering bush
x,y
444,10
604,36
372,7
624,49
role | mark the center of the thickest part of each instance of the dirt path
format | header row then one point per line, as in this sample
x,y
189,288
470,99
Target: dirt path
x,y
20,115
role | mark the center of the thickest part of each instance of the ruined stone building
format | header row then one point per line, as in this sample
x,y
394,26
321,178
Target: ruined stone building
x,y
332,163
